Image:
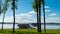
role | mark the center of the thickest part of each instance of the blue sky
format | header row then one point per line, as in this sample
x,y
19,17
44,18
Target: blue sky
x,y
54,6
25,12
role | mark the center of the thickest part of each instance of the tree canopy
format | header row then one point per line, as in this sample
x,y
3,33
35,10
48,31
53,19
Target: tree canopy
x,y
34,4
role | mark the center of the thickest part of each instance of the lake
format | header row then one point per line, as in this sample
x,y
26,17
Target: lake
x,y
48,26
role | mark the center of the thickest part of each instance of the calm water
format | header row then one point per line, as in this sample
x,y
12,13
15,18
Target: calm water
x,y
51,26
8,26
48,26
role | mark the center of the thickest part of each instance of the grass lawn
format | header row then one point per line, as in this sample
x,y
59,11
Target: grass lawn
x,y
29,31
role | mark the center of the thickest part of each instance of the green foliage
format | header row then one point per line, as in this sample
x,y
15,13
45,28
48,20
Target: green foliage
x,y
6,4
14,5
34,4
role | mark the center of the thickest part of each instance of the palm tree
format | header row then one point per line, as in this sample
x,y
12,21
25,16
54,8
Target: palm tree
x,y
39,13
13,8
37,8
44,16
3,20
13,4
4,9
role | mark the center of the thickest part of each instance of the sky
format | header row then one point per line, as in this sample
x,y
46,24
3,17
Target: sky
x,y
25,13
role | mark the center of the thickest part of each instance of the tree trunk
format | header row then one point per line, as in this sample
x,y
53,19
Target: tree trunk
x,y
44,18
38,6
13,16
39,20
39,17
3,20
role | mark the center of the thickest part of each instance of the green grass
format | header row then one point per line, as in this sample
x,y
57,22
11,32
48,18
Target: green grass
x,y
29,31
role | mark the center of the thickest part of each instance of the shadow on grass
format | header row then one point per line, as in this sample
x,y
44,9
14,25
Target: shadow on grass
x,y
2,31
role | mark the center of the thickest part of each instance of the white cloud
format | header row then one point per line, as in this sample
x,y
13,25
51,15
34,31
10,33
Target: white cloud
x,y
8,19
28,18
46,6
22,18
47,10
53,14
32,12
53,20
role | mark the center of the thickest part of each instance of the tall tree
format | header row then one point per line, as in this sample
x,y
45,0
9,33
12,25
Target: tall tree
x,y
36,4
13,8
4,8
13,4
44,16
3,19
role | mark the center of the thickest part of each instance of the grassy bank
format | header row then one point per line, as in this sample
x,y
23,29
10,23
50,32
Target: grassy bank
x,y
29,31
